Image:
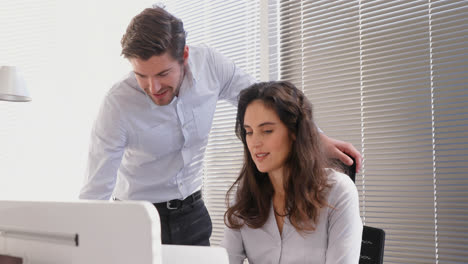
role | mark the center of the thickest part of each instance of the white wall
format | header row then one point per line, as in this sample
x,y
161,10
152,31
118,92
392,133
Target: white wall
x,y
70,55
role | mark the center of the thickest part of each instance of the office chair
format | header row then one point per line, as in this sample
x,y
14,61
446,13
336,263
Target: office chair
x,y
373,239
372,247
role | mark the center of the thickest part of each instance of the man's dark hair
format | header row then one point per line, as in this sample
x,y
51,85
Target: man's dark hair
x,y
154,32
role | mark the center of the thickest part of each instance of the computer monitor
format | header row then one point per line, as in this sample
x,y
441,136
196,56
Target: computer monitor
x,y
88,232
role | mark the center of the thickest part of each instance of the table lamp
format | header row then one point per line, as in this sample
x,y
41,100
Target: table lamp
x,y
12,85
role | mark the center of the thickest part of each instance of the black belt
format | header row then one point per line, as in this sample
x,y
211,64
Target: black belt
x,y
177,204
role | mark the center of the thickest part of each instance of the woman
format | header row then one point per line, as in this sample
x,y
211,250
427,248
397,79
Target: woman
x,y
288,207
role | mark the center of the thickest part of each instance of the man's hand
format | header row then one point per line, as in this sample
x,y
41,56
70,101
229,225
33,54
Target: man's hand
x,y
340,150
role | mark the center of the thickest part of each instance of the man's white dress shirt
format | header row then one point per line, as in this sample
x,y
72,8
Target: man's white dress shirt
x,y
336,240
155,153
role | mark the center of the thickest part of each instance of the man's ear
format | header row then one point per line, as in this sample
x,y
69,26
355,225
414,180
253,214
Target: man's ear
x,y
186,54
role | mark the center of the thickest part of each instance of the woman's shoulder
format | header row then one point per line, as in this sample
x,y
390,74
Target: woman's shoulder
x,y
339,181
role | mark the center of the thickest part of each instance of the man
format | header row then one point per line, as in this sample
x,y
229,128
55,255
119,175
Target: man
x,y
149,139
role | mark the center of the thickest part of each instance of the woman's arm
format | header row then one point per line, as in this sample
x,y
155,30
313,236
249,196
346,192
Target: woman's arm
x,y
232,242
345,225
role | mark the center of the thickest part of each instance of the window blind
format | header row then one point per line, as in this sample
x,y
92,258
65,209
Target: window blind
x,y
449,62
232,28
391,78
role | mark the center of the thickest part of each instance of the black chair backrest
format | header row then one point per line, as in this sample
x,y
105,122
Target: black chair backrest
x,y
372,247
373,239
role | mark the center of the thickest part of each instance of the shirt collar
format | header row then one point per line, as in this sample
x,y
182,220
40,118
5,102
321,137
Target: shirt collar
x,y
189,80
192,70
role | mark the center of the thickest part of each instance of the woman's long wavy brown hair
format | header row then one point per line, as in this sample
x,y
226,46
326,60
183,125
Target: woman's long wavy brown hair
x,y
305,181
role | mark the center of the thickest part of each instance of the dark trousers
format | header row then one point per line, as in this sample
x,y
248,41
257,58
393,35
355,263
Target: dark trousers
x,y
187,225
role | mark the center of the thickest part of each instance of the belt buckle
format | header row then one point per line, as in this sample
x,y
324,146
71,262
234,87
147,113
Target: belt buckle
x,y
168,205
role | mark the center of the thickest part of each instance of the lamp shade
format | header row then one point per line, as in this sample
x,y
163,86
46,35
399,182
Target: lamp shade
x,y
12,85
